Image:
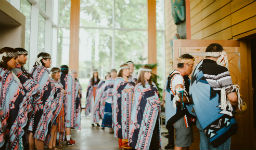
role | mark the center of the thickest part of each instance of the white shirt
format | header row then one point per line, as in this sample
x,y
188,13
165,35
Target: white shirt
x,y
176,80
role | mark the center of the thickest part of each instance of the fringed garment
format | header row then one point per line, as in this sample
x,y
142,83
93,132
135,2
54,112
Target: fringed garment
x,y
61,125
78,93
208,79
90,97
107,101
175,110
57,104
44,104
97,105
25,108
12,101
70,99
122,107
144,131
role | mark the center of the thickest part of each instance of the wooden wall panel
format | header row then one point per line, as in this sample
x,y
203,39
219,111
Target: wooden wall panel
x,y
245,34
217,27
212,18
216,17
194,3
247,12
244,26
170,31
225,34
238,4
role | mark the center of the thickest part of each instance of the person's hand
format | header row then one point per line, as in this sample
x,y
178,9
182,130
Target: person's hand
x,y
232,97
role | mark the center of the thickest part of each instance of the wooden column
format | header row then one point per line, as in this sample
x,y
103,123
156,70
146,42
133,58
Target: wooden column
x,y
74,35
152,51
188,24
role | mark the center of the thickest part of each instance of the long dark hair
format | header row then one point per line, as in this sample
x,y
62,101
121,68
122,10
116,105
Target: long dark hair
x,y
11,53
120,73
44,56
141,78
93,82
21,51
64,69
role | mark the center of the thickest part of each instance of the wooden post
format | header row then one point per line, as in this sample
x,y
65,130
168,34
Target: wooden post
x,y
188,24
152,51
74,35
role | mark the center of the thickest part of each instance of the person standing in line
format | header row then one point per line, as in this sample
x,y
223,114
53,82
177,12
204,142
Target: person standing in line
x,y
44,102
78,97
99,96
91,95
144,128
31,89
68,83
108,100
13,100
55,74
122,103
133,76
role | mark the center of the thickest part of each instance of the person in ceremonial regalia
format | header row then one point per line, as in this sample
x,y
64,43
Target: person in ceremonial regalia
x,y
91,94
122,103
55,73
98,100
178,102
108,100
13,102
133,76
215,99
78,96
68,84
144,131
30,87
44,102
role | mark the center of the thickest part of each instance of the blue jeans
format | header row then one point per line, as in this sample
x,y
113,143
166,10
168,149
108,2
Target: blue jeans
x,y
205,145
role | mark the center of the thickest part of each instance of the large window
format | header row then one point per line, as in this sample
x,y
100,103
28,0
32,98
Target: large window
x,y
118,32
63,31
41,34
25,8
42,5
160,42
111,33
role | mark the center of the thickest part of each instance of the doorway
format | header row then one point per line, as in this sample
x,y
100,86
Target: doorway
x,y
253,60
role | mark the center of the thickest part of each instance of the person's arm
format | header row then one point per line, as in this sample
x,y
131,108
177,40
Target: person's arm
x,y
184,97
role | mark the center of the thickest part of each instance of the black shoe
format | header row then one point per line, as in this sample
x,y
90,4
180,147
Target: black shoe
x,y
93,125
169,146
98,125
